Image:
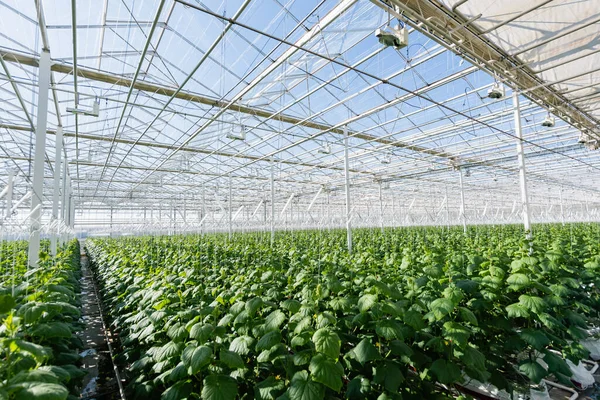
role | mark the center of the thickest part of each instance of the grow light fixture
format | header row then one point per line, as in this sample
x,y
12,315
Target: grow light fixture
x,y
395,37
386,159
548,122
497,91
237,134
94,112
324,149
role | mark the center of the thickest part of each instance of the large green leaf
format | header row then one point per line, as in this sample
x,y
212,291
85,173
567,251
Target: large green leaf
x,y
389,375
268,340
304,388
40,391
327,342
456,333
168,350
51,330
326,371
532,303
537,339
389,329
201,332
556,364
365,351
231,359
40,353
533,370
269,389
179,391
445,371
198,358
219,387
517,281
441,307
366,302
414,319
241,344
468,316
274,320
517,310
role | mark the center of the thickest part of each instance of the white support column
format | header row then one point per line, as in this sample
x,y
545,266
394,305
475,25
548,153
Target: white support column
x,y
56,187
72,217
272,202
347,178
38,160
380,207
229,214
462,201
562,211
9,192
287,204
521,160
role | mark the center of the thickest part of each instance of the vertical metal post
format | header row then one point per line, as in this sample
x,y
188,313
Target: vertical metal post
x,y
521,160
9,192
272,202
462,201
56,187
111,220
203,209
447,209
380,207
38,161
347,176
562,212
230,232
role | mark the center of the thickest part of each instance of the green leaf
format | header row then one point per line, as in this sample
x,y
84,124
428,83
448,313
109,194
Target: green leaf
x,y
327,342
35,375
399,348
253,305
441,307
556,364
274,320
326,371
7,303
473,358
365,351
414,319
291,305
40,391
389,329
517,310
537,339
457,333
358,388
389,375
269,389
168,350
219,387
534,371
196,359
241,345
231,359
177,332
532,303
366,302
468,316
445,371
31,312
268,340
40,353
304,388
201,332
52,330
517,281
179,391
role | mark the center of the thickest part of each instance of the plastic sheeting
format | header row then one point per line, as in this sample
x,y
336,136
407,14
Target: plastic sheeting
x,y
559,40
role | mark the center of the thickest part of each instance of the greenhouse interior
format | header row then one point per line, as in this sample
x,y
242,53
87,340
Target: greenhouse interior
x,y
300,199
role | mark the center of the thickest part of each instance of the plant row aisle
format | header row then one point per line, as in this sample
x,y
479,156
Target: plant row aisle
x,y
409,314
39,315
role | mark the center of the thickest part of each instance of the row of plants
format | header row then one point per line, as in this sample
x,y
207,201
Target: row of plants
x,y
39,316
408,315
